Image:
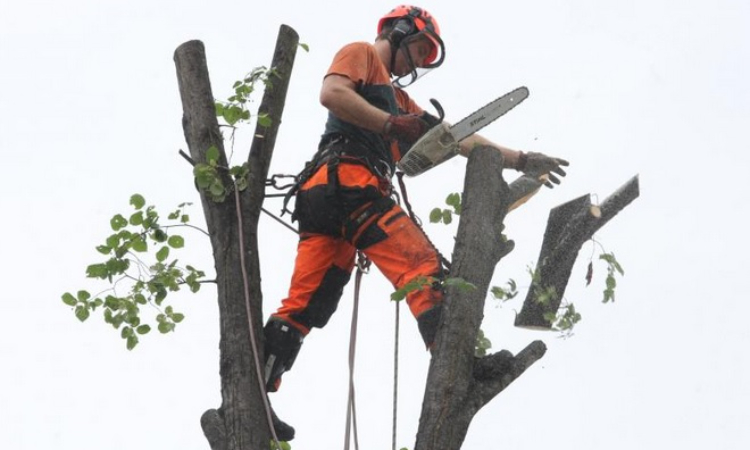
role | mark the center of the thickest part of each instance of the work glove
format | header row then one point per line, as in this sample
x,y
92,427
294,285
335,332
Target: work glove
x,y
543,166
407,129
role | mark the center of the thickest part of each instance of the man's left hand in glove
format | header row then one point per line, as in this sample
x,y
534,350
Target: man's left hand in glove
x,y
539,164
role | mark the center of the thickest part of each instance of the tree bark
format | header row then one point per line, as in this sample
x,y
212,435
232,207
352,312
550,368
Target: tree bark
x,y
569,226
458,384
240,422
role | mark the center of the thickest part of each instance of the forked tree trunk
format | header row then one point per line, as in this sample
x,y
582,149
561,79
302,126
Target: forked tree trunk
x,y
240,423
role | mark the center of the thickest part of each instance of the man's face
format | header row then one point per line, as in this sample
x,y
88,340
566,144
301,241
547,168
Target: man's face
x,y
419,49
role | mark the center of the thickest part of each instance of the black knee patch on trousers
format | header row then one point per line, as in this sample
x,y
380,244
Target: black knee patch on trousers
x,y
428,323
325,299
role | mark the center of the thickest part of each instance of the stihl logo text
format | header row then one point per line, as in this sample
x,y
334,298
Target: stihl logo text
x,y
476,121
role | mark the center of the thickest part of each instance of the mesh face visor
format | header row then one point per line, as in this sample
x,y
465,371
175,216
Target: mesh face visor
x,y
436,57
433,60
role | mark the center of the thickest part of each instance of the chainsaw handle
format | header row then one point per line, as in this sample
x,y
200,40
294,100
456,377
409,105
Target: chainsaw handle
x,y
438,108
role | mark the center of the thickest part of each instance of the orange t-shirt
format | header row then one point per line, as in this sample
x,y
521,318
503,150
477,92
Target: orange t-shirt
x,y
360,63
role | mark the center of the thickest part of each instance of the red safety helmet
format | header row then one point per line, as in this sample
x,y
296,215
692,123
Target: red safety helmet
x,y
411,21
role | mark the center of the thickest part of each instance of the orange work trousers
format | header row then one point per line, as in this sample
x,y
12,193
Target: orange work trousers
x,y
336,220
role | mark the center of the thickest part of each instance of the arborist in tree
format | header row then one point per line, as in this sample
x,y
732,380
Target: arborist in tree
x,y
344,196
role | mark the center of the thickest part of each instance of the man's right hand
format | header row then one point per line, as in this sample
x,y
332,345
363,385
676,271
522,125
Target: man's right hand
x,y
408,128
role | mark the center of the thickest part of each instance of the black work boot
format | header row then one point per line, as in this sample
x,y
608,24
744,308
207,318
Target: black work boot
x,y
284,431
282,344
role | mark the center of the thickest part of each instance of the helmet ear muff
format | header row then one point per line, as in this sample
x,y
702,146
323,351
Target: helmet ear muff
x,y
401,28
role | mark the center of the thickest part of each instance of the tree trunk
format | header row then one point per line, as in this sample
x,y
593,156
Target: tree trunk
x,y
569,226
458,384
240,422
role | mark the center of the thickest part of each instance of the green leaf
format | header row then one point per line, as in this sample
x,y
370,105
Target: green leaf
x,y
132,341
304,46
68,299
399,295
139,245
116,266
453,200
212,154
103,249
82,313
178,317
550,317
162,254
283,445
113,241
498,292
185,218
137,201
161,294
232,114
132,318
118,222
83,296
126,331
159,235
217,188
194,286
97,271
143,329
447,217
176,241
264,120
165,327
112,302
436,215
136,218
460,284
219,109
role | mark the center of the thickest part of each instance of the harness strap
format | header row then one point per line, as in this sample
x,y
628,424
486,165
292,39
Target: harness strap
x,y
332,152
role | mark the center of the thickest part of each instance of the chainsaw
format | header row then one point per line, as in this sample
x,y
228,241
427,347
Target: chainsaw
x,y
440,143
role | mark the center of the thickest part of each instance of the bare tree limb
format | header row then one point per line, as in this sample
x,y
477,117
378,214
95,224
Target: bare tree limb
x,y
569,226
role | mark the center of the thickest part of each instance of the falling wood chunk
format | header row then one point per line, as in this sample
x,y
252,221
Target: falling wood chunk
x,y
569,226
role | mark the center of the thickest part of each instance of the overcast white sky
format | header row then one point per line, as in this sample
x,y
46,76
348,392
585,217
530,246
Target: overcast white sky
x,y
90,113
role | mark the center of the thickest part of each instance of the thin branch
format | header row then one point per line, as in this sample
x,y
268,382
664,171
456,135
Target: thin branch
x,y
187,225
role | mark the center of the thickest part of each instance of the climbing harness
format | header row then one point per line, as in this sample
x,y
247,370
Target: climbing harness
x,y
363,265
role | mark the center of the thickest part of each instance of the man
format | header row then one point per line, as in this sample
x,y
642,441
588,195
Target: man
x,y
344,201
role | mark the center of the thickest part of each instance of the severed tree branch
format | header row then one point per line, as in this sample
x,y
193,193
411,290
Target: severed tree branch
x,y
569,226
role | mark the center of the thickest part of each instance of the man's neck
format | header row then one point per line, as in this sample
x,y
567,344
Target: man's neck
x,y
383,49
